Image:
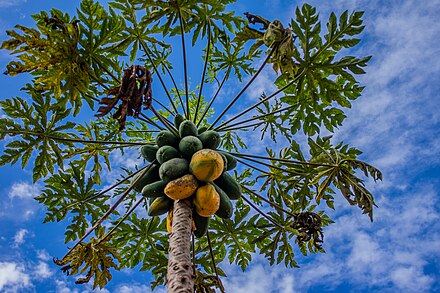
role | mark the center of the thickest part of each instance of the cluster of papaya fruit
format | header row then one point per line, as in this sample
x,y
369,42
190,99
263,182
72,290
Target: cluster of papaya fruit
x,y
189,166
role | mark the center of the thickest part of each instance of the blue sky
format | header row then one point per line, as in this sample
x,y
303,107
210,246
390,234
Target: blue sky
x,y
396,124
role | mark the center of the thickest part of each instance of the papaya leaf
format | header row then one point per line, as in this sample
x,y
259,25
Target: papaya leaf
x,y
230,54
323,81
36,124
143,241
342,174
97,153
95,257
68,192
51,53
231,232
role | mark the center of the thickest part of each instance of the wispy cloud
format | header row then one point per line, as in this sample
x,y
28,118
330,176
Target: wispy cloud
x,y
361,254
258,279
21,205
396,121
11,3
23,190
136,288
13,277
43,255
19,237
42,270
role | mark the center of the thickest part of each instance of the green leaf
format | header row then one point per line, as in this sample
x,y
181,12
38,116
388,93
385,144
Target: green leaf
x,y
52,54
322,82
36,124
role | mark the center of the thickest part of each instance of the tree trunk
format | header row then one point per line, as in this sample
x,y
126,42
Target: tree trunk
x,y
180,274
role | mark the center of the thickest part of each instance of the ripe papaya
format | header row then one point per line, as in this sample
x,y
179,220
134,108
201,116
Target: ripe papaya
x,y
206,165
151,176
186,128
225,209
182,187
189,145
178,119
228,184
154,189
170,221
207,200
173,169
201,223
160,206
149,151
210,139
165,137
232,161
166,153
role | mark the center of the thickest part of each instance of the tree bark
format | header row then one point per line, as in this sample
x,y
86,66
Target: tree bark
x,y
180,273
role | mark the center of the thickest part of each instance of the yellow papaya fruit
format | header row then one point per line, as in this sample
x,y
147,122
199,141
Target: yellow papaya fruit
x,y
182,187
206,165
170,221
206,200
160,206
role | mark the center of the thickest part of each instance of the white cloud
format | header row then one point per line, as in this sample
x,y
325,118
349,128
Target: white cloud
x,y
263,83
378,254
43,255
130,159
13,277
19,237
392,254
23,190
42,270
61,287
395,121
259,279
136,288
21,205
408,279
11,3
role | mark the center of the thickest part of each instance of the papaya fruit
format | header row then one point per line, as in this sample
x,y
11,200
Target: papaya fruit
x,y
232,161
186,128
160,206
206,165
225,209
189,145
210,139
202,129
182,187
151,176
170,221
165,137
173,169
206,201
166,153
225,161
178,119
149,151
228,184
154,189
201,225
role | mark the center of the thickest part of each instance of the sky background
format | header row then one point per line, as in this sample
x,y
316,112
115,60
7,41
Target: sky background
x,y
395,123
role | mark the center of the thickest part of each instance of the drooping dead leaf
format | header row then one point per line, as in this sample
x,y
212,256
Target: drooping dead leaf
x,y
134,91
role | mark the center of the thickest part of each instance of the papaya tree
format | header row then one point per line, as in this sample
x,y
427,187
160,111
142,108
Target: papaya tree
x,y
209,199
